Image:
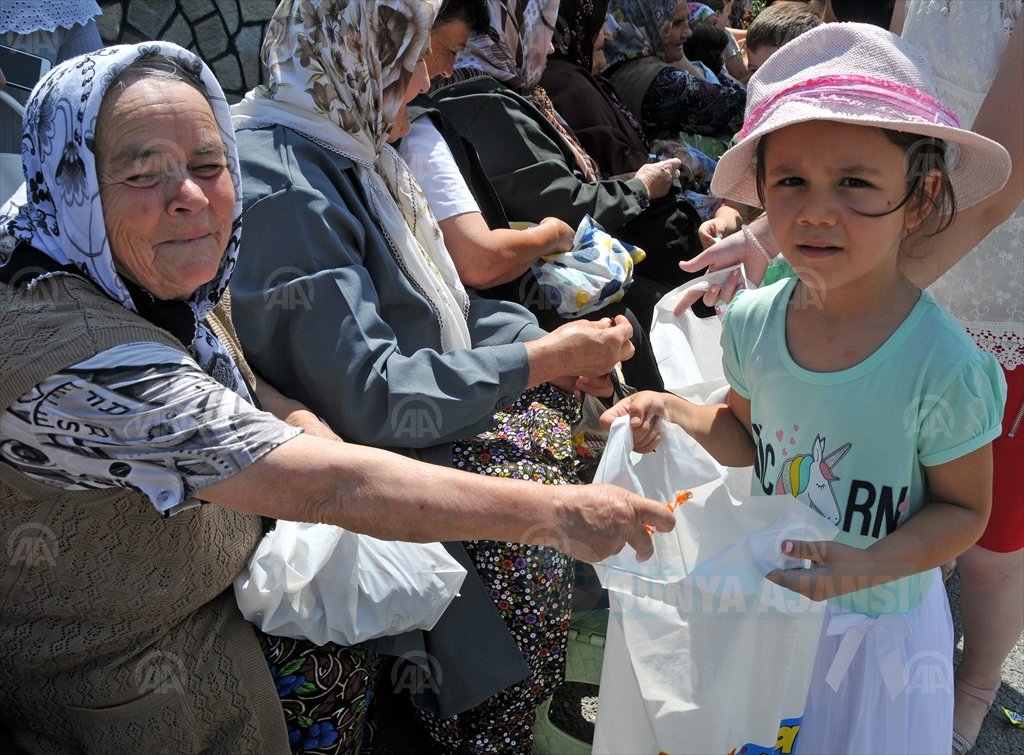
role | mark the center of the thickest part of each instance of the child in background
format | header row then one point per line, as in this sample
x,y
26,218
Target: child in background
x,y
706,49
850,388
734,63
776,25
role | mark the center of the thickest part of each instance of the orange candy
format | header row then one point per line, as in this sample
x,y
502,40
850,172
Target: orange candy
x,y
682,496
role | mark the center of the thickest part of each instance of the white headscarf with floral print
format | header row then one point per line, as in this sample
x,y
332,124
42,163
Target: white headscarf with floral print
x,y
339,70
59,212
514,50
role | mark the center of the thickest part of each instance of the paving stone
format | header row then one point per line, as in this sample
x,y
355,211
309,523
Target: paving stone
x,y
210,37
248,42
150,17
109,24
196,9
228,73
258,10
229,12
180,32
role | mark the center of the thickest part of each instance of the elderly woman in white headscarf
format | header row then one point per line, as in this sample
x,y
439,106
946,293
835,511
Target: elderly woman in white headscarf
x,y
346,299
135,469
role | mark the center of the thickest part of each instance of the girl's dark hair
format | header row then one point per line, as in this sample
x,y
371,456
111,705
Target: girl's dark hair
x,y
924,155
473,12
706,44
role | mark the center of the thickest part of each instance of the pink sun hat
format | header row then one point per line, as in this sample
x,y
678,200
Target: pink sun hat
x,y
867,76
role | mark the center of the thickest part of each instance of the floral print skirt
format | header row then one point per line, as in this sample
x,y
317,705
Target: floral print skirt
x,y
530,585
324,691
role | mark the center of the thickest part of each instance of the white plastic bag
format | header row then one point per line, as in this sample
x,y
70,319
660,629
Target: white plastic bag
x,y
703,654
326,584
688,348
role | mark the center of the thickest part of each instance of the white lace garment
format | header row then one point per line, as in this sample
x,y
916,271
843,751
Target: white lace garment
x,y
27,16
985,291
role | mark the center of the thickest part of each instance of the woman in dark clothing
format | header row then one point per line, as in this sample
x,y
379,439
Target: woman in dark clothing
x,y
653,78
609,132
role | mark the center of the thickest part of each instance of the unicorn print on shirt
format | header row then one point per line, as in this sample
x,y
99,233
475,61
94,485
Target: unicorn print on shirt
x,y
809,478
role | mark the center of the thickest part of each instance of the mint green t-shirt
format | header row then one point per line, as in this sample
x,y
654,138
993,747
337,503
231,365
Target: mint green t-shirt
x,y
854,444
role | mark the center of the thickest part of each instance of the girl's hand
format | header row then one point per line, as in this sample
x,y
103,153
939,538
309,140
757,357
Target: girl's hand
x,y
711,293
646,411
716,229
836,569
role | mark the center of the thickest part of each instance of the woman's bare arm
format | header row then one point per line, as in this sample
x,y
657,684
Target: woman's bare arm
x,y
486,257
390,496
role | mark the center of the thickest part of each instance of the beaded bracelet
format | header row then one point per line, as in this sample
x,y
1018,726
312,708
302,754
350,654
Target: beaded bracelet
x,y
754,240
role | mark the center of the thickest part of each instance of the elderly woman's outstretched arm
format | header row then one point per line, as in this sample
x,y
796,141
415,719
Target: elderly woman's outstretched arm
x,y
392,497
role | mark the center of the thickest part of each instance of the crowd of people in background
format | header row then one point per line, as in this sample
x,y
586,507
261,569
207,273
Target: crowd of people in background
x,y
211,315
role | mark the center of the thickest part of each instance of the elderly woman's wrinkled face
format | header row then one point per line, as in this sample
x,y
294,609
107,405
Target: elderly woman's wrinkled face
x,y
599,62
419,83
167,195
446,42
678,32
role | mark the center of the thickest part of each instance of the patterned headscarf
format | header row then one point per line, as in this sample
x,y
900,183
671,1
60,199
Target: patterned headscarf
x,y
59,211
339,70
699,12
579,23
638,28
515,49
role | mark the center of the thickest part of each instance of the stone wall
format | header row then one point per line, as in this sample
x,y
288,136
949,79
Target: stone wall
x,y
225,33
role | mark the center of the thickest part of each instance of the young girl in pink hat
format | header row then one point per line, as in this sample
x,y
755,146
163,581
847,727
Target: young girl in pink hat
x,y
850,389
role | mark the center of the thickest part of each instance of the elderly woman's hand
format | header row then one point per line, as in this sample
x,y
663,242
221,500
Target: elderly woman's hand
x,y
657,178
580,348
561,235
735,248
595,521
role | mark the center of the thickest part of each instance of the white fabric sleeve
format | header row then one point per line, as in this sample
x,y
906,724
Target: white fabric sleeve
x,y
434,166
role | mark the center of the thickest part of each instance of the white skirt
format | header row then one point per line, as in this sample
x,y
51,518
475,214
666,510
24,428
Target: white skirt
x,y
883,686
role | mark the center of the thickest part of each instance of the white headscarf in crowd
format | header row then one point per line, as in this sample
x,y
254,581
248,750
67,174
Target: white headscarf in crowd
x,y
339,71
